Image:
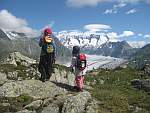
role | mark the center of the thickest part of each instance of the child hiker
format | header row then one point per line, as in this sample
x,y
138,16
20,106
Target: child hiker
x,y
78,65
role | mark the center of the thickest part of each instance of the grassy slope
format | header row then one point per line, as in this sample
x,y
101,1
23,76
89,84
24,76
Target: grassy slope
x,y
117,95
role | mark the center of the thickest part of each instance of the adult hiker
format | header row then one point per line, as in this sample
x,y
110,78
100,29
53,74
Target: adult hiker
x,y
78,65
47,56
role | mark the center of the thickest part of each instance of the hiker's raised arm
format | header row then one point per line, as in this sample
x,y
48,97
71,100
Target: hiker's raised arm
x,y
41,42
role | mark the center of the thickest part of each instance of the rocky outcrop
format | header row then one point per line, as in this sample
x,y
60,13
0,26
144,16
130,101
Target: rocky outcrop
x,y
34,88
21,91
49,97
63,77
73,103
141,84
76,104
17,58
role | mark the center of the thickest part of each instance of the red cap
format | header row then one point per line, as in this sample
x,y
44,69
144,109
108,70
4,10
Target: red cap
x,y
47,31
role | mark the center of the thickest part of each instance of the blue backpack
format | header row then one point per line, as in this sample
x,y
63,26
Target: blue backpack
x,y
48,47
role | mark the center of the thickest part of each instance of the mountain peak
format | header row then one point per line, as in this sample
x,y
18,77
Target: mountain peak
x,y
3,35
82,39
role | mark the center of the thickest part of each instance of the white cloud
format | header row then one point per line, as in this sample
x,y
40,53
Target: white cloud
x,y
135,1
122,3
113,36
131,11
9,22
82,3
137,44
140,34
115,8
110,11
74,32
126,34
146,36
97,27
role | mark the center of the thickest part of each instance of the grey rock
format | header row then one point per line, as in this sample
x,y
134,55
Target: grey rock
x,y
5,104
13,75
34,88
136,83
145,84
59,100
35,104
26,111
92,107
16,58
137,109
141,84
3,78
63,76
52,108
101,81
76,104
147,69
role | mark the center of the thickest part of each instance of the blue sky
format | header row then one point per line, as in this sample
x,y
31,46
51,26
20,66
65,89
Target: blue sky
x,y
122,19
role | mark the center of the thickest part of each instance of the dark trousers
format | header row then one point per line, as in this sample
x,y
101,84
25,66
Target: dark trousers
x,y
46,66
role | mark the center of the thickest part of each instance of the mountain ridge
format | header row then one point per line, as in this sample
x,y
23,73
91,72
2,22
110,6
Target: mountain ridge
x,y
14,41
98,43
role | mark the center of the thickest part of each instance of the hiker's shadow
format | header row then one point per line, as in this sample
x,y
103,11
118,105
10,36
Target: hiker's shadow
x,y
65,86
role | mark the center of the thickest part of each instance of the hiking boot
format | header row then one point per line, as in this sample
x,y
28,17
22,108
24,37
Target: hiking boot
x,y
43,80
78,89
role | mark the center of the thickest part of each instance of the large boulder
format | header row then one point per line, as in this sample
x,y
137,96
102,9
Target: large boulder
x,y
63,77
77,103
34,88
71,103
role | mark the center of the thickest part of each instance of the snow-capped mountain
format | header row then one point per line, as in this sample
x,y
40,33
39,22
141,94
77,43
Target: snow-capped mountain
x,y
12,35
70,39
3,35
97,43
15,35
116,49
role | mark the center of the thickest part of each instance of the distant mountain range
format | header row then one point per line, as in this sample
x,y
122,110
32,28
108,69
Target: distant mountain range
x,y
86,40
99,44
14,41
141,57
